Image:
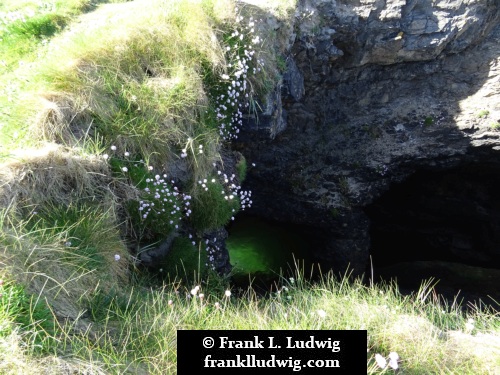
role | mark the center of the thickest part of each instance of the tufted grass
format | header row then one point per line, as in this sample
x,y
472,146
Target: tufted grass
x,y
128,77
134,331
211,210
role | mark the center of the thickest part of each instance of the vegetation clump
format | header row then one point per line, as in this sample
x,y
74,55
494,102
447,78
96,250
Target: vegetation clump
x,y
483,113
143,91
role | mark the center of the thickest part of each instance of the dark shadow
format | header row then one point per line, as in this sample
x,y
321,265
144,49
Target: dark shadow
x,y
443,225
365,125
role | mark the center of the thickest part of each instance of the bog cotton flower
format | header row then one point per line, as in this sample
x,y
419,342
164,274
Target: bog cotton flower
x,y
227,293
117,257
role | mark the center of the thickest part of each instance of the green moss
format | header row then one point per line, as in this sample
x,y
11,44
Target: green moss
x,y
281,63
428,121
241,167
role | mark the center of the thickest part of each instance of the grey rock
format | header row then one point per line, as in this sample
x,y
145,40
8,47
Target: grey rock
x,y
293,81
394,89
151,257
217,241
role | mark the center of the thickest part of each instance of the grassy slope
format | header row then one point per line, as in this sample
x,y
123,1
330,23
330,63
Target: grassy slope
x,y
135,77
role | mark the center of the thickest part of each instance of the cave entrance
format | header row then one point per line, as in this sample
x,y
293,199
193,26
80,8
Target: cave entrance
x,y
442,226
261,250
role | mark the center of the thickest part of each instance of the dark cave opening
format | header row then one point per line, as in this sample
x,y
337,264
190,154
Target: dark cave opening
x,y
444,226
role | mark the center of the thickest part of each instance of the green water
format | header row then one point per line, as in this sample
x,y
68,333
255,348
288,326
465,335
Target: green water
x,y
265,249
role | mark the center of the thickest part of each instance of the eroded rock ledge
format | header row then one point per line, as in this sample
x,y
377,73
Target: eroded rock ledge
x,y
374,91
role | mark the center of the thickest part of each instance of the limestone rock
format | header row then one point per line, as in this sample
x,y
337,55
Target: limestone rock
x,y
389,87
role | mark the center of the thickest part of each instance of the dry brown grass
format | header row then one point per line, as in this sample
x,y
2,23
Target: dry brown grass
x,y
60,118
14,361
52,174
58,177
64,285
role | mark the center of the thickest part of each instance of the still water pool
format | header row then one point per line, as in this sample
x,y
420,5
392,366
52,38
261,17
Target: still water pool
x,y
261,250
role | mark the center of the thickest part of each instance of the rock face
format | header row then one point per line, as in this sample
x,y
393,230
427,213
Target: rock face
x,y
375,91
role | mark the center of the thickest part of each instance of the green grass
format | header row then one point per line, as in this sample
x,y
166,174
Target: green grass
x,y
25,25
26,28
483,113
428,121
211,208
136,332
241,167
185,261
128,85
21,311
84,230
